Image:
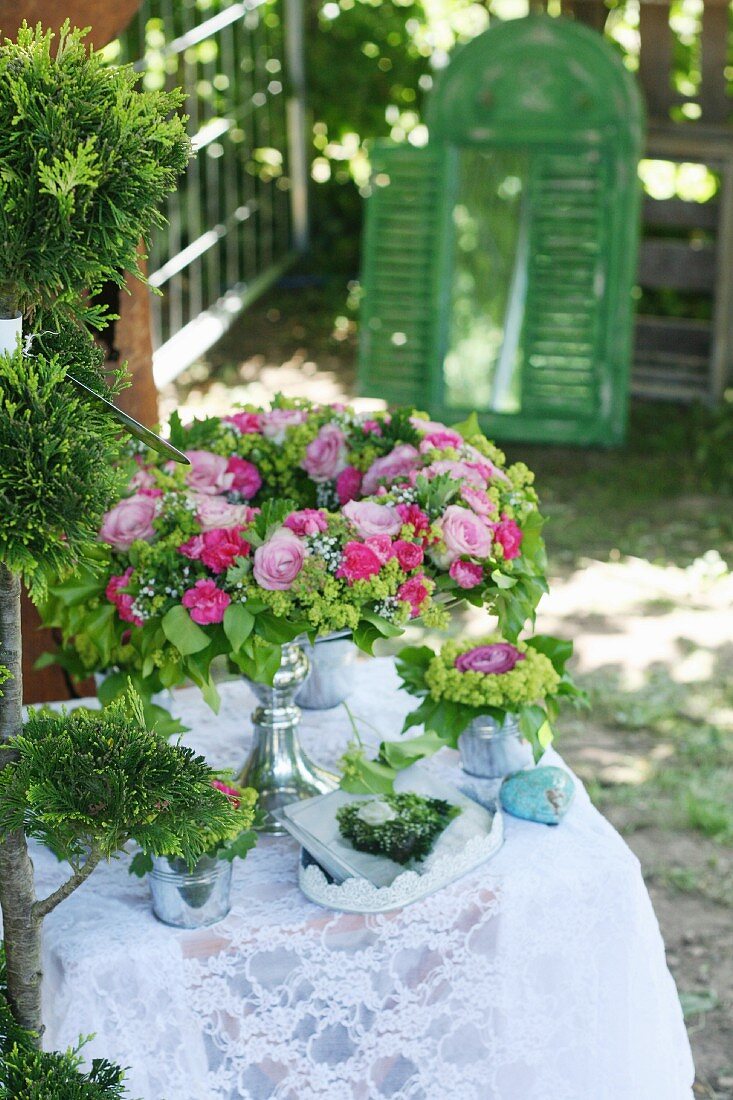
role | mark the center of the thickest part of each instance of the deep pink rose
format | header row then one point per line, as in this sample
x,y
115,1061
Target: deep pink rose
x,y
221,547
358,562
279,560
192,549
414,515
478,500
397,463
325,456
128,521
245,423
370,518
348,485
308,521
466,574
276,423
509,536
409,554
440,439
490,659
381,545
415,592
247,480
464,534
214,512
372,427
206,602
208,473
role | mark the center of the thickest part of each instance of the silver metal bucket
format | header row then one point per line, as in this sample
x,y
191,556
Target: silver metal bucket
x,y
492,751
190,899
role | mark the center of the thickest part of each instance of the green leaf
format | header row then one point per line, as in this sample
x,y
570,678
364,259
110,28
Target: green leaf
x,y
558,650
401,754
238,624
468,428
239,847
278,631
384,626
372,777
501,580
183,633
412,663
112,686
141,864
365,635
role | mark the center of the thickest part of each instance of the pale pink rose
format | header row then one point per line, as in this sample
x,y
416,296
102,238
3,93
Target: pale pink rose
x,y
348,485
245,423
478,500
208,473
509,536
276,423
408,554
308,521
206,602
221,548
247,480
325,456
427,426
439,440
415,592
358,563
381,545
370,518
142,479
279,560
464,534
459,471
397,463
466,574
128,521
215,512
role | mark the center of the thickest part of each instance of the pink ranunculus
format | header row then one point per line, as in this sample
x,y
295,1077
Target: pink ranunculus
x,y
348,485
208,473
397,463
279,560
381,545
116,582
478,500
206,602
358,562
245,423
464,534
408,554
415,592
370,518
372,427
193,548
214,512
441,439
128,521
491,659
414,515
325,456
247,478
232,793
221,547
459,471
276,423
466,574
308,521
509,536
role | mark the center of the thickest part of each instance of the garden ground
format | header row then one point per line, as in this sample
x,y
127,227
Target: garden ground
x,y
639,541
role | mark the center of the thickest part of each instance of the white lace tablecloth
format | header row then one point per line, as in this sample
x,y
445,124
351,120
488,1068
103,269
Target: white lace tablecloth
x,y
540,976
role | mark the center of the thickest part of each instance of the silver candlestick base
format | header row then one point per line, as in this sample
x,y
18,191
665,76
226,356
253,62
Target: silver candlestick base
x,y
277,767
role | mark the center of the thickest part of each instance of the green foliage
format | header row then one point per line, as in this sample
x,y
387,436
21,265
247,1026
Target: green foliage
x,y
58,472
76,350
27,1073
86,162
92,780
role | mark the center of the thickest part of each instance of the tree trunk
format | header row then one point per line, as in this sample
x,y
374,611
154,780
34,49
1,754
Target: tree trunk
x,y
21,925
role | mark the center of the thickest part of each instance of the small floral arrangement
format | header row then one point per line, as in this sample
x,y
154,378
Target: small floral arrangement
x,y
298,520
402,827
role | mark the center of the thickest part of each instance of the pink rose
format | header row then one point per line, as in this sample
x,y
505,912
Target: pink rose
x,y
123,601
372,427
370,518
415,592
466,574
464,534
485,465
325,456
381,545
279,560
491,660
308,521
208,473
509,536
192,549
116,582
221,547
427,426
128,521
348,485
408,554
459,471
441,439
413,515
276,423
206,602
478,500
232,793
142,479
215,512
245,423
397,463
246,477
358,563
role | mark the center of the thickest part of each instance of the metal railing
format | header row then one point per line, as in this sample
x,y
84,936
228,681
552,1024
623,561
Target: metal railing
x,y
240,216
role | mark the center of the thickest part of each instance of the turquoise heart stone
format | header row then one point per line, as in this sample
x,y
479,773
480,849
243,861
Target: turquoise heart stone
x,y
539,794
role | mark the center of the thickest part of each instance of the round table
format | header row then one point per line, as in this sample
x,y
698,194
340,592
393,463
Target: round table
x,y
539,976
